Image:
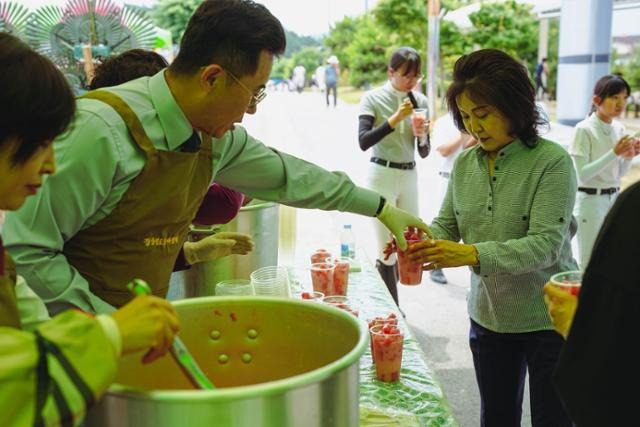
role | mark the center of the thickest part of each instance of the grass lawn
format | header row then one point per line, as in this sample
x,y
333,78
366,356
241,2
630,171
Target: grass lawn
x,y
350,94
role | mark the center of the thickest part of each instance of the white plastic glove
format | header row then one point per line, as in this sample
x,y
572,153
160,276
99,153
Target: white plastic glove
x,y
217,246
397,220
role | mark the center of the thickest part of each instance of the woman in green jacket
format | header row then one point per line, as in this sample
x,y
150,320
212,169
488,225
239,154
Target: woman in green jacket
x,y
52,375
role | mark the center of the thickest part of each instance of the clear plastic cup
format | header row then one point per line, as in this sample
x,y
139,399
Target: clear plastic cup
x,y
271,281
380,321
568,281
418,122
320,255
387,341
410,273
342,303
322,277
312,296
340,275
234,287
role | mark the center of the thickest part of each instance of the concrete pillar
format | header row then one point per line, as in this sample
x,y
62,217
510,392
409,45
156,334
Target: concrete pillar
x,y
584,55
543,39
433,55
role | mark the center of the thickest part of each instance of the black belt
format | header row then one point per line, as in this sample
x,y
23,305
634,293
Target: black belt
x,y
382,162
592,191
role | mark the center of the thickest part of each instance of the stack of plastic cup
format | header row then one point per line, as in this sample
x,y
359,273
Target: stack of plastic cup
x,y
271,281
234,287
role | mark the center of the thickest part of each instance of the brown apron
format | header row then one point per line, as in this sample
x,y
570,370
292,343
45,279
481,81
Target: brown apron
x,y
9,315
145,232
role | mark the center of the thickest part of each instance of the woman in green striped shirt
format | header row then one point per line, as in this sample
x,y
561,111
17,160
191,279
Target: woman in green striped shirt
x,y
509,201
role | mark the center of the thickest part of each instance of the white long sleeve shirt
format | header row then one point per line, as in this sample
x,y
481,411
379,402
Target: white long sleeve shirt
x,y
597,165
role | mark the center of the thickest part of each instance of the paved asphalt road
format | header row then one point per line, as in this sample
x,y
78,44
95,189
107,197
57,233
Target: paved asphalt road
x,y
302,125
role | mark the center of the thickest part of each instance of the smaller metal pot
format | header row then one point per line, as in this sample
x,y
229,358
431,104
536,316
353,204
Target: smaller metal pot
x,y
258,219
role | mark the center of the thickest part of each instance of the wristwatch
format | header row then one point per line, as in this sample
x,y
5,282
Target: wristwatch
x,y
380,206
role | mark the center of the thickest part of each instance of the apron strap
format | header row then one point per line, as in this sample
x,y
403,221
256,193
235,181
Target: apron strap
x,y
128,116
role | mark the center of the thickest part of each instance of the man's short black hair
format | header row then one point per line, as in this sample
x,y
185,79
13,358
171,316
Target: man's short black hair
x,y
36,102
231,33
127,66
492,77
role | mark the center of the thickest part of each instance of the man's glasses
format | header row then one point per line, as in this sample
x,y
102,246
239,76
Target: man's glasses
x,y
255,97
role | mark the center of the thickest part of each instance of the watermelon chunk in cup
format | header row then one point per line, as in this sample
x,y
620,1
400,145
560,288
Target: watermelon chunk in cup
x,y
418,122
568,281
340,275
343,303
320,255
387,343
391,319
410,273
314,296
322,277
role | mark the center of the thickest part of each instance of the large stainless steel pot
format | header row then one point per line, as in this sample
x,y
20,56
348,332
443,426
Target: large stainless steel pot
x,y
259,220
277,363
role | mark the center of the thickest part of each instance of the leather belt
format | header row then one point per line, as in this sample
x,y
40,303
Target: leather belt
x,y
382,162
593,191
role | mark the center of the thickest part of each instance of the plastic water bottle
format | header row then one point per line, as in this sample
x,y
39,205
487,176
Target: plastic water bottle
x,y
347,242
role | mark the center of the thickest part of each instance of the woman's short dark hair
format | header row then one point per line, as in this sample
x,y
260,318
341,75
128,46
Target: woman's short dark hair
x,y
492,77
610,85
127,66
36,102
406,55
231,33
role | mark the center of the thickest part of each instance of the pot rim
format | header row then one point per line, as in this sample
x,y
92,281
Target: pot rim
x,y
270,388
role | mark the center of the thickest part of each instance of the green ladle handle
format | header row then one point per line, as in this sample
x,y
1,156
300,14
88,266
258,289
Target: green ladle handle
x,y
178,350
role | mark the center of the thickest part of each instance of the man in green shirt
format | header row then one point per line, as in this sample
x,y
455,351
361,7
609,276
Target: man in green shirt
x,y
132,170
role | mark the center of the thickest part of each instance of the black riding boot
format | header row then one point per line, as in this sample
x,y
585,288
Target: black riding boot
x,y
389,274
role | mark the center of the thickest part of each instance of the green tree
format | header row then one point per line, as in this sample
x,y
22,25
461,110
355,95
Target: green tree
x,y
309,58
552,58
404,22
282,68
453,44
341,36
508,26
296,42
455,4
629,68
367,54
173,15
145,11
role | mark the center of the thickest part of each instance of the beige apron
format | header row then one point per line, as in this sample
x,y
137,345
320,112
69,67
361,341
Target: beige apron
x,y
145,232
9,315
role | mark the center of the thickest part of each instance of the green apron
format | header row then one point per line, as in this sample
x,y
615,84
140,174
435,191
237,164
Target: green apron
x,y
145,232
8,308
